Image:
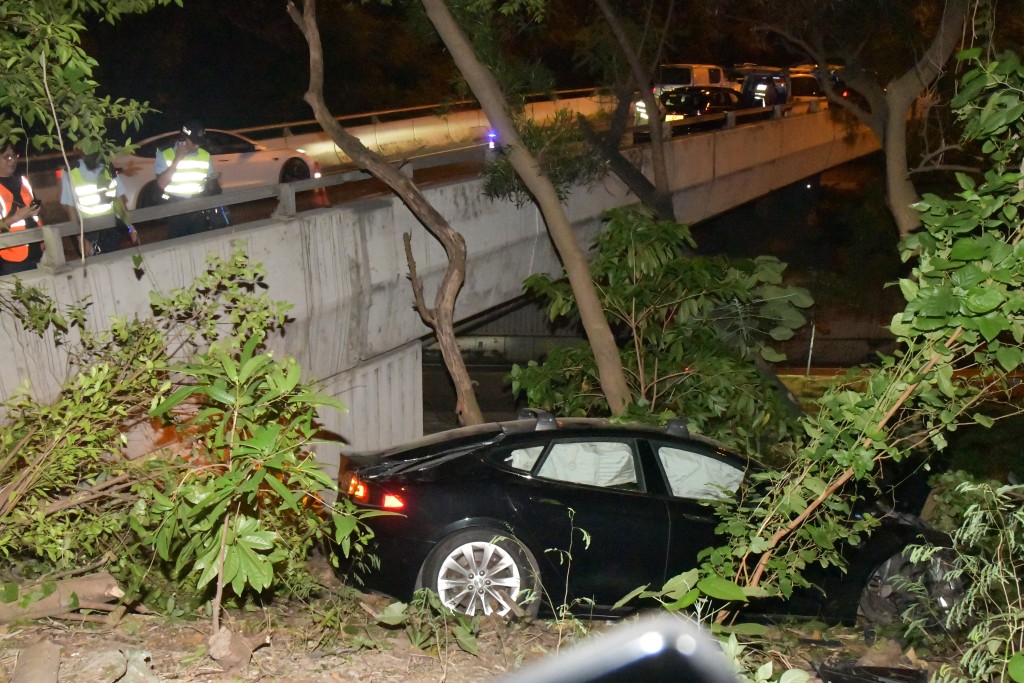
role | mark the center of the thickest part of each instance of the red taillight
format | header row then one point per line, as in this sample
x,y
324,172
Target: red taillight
x,y
393,502
358,490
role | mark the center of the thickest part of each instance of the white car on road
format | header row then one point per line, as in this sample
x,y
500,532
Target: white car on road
x,y
240,163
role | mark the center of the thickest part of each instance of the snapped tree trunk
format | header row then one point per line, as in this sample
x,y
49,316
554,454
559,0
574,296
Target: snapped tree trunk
x,y
486,90
442,316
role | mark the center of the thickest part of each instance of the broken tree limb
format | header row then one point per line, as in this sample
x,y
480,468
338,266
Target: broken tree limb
x,y
95,592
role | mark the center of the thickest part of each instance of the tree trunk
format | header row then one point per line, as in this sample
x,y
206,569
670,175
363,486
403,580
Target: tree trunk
x,y
488,93
900,97
900,192
655,118
441,318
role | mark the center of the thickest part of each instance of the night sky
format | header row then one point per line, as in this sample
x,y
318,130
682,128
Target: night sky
x,y
235,63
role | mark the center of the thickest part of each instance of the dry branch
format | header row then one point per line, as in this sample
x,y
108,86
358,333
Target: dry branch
x,y
94,592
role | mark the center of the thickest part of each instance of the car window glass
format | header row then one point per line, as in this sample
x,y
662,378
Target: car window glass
x,y
714,75
223,143
523,458
594,463
693,475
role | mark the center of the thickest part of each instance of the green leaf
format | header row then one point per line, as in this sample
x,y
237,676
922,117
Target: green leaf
x,y
9,593
1015,667
172,401
394,614
1009,357
795,676
983,420
721,589
466,640
629,597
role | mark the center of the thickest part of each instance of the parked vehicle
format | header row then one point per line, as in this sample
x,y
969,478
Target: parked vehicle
x,y
492,516
685,103
672,76
239,162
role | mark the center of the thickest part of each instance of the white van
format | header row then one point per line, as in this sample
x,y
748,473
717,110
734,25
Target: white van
x,y
678,75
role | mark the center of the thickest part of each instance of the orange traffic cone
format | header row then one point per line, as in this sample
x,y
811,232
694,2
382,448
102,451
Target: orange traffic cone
x,y
320,197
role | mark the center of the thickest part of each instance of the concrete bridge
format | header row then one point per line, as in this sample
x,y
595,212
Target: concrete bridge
x,y
344,267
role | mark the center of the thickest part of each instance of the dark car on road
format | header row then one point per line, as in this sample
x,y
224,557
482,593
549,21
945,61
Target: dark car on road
x,y
690,109
494,516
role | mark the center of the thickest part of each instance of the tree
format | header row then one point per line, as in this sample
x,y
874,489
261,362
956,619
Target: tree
x,y
689,330
960,341
46,77
487,91
441,317
845,32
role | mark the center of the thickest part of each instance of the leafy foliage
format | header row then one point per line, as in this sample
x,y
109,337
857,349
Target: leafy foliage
x,y
560,149
990,538
429,623
689,330
237,504
46,78
960,335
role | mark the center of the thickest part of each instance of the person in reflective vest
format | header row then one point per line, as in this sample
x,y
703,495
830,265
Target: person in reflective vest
x,y
18,210
183,172
89,191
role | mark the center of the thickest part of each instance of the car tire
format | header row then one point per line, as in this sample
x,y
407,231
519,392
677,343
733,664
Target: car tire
x,y
898,586
294,169
484,571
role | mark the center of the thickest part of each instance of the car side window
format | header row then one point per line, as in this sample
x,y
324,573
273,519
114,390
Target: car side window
x,y
608,464
714,75
221,143
694,475
523,458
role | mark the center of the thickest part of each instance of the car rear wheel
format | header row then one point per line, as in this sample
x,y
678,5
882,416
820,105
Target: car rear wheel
x,y
483,571
899,586
294,169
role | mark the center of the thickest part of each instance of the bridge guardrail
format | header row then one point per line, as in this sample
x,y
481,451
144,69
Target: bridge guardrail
x,y
52,235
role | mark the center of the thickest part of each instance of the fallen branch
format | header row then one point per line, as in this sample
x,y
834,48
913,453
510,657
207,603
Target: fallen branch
x,y
94,592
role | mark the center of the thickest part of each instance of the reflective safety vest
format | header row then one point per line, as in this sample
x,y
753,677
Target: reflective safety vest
x,y
19,253
189,179
94,197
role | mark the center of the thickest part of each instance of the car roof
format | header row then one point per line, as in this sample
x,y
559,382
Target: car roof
x,y
161,136
530,421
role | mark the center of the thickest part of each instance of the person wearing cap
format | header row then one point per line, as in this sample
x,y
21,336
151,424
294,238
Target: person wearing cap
x,y
91,190
182,172
18,210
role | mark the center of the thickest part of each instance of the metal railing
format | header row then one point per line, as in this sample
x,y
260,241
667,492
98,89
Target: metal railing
x,y
52,236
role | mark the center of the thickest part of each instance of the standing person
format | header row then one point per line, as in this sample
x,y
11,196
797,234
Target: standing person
x,y
91,190
185,171
18,210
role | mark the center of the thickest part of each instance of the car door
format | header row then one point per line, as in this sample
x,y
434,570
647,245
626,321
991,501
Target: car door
x,y
691,476
593,488
234,160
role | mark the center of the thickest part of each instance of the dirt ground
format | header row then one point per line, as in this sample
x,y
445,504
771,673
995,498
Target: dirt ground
x,y
161,650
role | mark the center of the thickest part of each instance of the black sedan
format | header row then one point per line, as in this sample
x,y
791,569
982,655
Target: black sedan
x,y
510,517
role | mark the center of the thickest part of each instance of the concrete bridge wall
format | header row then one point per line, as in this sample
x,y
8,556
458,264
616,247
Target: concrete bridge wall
x,y
344,268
